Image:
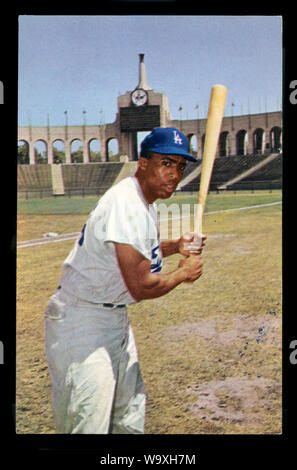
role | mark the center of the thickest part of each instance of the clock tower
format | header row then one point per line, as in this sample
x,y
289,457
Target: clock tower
x,y
140,110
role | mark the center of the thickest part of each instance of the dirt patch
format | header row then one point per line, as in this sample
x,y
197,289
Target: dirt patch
x,y
235,400
243,327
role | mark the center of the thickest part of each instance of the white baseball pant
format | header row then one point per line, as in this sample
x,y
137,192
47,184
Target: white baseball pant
x,y
97,386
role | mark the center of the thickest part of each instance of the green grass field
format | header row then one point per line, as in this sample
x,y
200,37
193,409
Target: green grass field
x,y
78,205
210,352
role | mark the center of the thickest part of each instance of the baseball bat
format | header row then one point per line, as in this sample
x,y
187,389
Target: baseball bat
x,y
213,126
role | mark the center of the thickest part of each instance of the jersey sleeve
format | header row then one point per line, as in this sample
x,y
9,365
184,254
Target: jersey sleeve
x,y
122,220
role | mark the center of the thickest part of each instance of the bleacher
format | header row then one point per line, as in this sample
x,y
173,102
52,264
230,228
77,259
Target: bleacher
x,y
34,179
78,178
92,178
95,178
226,168
269,175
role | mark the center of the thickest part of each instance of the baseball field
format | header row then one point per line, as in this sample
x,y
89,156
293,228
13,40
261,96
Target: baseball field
x,y
210,352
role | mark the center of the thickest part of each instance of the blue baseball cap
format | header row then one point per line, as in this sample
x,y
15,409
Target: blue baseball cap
x,y
167,141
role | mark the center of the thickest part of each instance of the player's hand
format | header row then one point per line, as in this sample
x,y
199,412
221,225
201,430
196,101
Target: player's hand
x,y
192,265
191,243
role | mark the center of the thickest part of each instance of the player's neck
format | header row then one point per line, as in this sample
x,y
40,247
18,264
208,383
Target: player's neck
x,y
146,192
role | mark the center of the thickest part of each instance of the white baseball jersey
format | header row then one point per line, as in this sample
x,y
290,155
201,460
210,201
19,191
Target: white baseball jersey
x,y
91,271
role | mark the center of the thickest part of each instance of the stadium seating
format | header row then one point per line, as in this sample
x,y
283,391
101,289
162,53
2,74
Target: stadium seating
x,y
270,172
90,176
34,179
78,178
96,178
226,168
269,176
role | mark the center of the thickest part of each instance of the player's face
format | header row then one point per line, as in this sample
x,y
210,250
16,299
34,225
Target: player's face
x,y
163,173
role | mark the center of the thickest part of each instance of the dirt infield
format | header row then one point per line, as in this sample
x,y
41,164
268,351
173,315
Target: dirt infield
x,y
211,352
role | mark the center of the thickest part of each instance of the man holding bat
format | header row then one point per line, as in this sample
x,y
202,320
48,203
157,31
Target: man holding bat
x,y
97,386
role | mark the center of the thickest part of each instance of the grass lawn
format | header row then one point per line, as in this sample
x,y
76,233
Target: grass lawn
x,y
210,352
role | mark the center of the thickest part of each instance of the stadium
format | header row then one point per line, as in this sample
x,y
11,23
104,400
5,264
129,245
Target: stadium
x,y
210,353
248,155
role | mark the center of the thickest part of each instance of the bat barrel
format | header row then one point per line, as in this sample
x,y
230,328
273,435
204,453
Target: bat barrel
x,y
213,126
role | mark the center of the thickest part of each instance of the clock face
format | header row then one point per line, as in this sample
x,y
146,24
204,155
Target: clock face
x,y
139,97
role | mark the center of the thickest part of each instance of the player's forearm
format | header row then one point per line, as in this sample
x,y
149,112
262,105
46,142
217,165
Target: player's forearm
x,y
142,283
169,247
157,285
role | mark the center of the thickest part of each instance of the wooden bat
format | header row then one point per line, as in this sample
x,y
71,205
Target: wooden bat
x,y
213,127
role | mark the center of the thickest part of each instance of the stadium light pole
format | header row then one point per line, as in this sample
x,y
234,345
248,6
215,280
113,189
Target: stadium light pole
x,y
198,129
48,127
84,125
66,125
30,125
232,106
101,117
249,113
180,117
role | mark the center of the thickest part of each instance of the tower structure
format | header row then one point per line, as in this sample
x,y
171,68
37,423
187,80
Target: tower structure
x,y
141,109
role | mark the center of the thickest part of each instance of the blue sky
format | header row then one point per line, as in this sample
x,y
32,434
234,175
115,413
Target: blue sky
x,y
82,63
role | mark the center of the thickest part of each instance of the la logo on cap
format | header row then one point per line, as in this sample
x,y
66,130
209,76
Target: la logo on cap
x,y
177,138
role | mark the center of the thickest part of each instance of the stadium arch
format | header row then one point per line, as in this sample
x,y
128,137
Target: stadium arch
x,y
76,151
241,142
251,134
223,144
112,145
275,138
23,159
94,150
41,146
258,140
59,145
193,144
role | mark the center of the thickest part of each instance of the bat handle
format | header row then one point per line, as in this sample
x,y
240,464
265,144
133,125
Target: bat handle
x,y
197,229
198,222
197,242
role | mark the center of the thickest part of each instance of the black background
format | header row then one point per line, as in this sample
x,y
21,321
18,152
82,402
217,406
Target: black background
x,y
232,451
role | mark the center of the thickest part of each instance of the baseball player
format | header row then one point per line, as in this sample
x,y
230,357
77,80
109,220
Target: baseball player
x,y
96,381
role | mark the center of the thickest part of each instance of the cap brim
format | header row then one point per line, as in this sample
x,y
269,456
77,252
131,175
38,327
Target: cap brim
x,y
173,151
